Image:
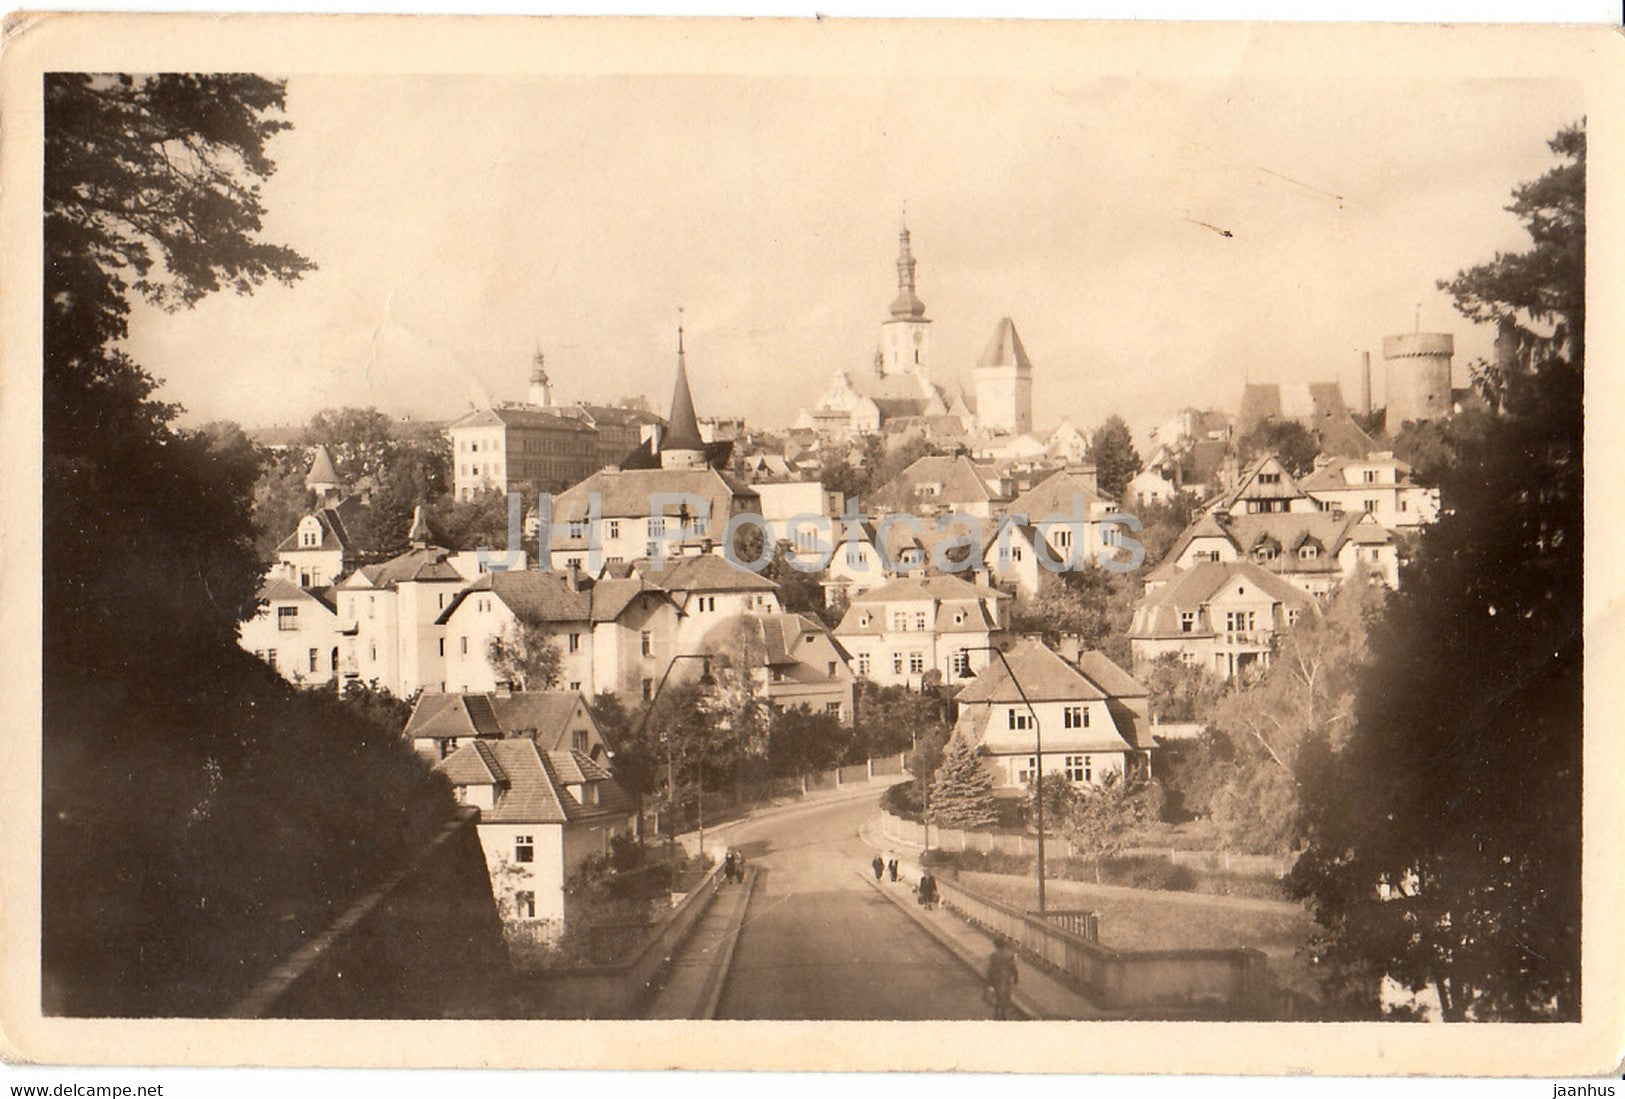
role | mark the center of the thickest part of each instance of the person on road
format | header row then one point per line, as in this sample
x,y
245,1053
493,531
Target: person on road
x,y
1002,977
891,867
880,866
928,890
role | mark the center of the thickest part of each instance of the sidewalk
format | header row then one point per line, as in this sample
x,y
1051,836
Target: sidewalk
x,y
1040,995
694,978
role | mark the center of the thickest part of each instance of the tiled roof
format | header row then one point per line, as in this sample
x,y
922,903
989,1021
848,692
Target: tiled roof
x,y
276,589
908,588
529,783
511,416
1054,496
1043,676
335,535
321,470
542,715
631,493
611,597
533,595
1157,614
417,564
1104,673
1005,349
1330,475
959,479
705,572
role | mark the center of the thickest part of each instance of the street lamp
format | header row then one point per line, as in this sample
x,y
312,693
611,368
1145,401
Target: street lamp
x,y
1038,755
706,680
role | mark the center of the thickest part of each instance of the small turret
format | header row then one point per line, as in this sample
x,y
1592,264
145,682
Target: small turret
x,y
541,393
682,447
323,479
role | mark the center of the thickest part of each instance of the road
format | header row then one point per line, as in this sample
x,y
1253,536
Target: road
x,y
818,943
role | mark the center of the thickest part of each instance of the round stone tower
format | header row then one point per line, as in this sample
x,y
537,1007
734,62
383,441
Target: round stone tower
x,y
1418,377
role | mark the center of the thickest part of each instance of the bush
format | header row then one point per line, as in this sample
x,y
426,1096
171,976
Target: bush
x,y
903,800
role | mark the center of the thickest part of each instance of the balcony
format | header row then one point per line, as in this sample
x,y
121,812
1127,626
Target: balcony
x,y
1246,639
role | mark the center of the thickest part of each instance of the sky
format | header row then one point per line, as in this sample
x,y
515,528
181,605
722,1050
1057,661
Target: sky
x,y
458,222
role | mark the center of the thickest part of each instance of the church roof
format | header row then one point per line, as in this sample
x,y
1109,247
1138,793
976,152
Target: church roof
x,y
907,305
682,430
1005,348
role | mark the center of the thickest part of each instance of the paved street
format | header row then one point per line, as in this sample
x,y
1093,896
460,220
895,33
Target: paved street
x,y
820,944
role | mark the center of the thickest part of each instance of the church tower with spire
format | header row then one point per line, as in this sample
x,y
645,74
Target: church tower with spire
x,y
541,392
905,337
681,446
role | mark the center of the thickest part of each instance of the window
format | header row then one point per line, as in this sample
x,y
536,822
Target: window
x,y
832,669
1027,772
657,526
1019,719
524,849
464,641
1308,551
287,618
474,447
574,685
1371,505
707,603
959,663
1235,621
1075,717
899,620
1369,477
372,605
576,528
1063,538
646,641
315,658
648,689
612,528
833,708
1292,616
1269,478
1404,504
897,663
573,643
1187,621
442,646
525,902
578,739
916,663
372,651
1079,769
270,658
919,620
863,663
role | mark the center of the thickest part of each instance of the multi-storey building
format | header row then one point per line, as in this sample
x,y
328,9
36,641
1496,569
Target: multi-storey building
x,y
1223,616
903,631
1379,485
520,448
296,632
1053,701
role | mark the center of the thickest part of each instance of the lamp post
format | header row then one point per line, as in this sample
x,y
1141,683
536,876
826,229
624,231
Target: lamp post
x,y
706,680
1038,756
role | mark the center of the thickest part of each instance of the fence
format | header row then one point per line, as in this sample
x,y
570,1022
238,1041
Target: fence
x,y
1078,921
1173,981
898,830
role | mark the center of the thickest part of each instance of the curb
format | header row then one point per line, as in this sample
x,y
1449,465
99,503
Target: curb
x,y
718,978
1020,1001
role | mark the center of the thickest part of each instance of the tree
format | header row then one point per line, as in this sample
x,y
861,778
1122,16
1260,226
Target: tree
x,y
1180,691
1293,444
1103,816
361,440
280,501
1060,801
962,792
1111,449
799,591
525,656
800,741
1433,857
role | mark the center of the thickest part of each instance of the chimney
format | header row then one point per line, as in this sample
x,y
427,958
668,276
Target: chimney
x,y
1364,399
572,576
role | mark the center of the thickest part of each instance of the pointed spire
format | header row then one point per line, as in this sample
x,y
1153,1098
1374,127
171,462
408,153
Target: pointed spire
x,y
419,535
1005,348
322,474
538,373
682,428
907,304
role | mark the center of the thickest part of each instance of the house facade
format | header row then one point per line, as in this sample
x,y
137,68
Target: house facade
x,y
514,447
905,630
1050,700
1378,485
295,631
1223,616
556,721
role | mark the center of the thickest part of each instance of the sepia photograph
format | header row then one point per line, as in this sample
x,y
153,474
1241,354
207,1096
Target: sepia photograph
x,y
763,521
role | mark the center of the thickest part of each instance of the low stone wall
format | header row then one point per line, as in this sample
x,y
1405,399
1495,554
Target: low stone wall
x,y
615,991
1234,983
425,944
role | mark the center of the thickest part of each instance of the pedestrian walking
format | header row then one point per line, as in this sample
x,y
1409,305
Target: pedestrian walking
x,y
1001,978
891,867
928,890
730,867
880,866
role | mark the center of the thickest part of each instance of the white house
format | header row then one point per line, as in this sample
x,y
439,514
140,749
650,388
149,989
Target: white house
x,y
389,617
559,603
902,631
1379,485
542,815
1314,550
1049,700
296,632
1224,616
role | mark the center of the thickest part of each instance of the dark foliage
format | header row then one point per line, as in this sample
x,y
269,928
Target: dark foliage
x,y
1292,443
1116,461
1458,792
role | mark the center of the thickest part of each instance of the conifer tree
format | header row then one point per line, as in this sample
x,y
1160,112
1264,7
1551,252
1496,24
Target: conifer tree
x,y
962,793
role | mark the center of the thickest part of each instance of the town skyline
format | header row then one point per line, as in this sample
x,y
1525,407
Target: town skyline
x,y
1122,285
